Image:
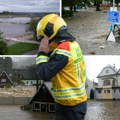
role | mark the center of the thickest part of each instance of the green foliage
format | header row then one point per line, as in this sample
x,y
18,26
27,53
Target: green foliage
x,y
16,80
32,27
66,13
21,48
6,62
3,45
1,33
92,94
72,6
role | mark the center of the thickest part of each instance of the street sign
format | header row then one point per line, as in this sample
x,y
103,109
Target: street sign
x,y
113,16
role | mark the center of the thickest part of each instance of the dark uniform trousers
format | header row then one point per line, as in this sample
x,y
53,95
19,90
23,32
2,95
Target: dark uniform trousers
x,y
71,112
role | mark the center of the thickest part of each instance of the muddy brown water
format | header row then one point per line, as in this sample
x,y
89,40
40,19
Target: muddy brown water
x,y
91,29
97,110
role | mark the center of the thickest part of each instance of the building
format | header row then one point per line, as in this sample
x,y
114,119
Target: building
x,y
89,85
108,83
5,80
28,76
43,100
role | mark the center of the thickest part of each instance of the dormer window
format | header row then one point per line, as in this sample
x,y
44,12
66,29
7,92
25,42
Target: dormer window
x,y
107,71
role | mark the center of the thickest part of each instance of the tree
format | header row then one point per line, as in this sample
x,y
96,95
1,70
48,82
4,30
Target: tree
x,y
92,94
6,62
16,80
32,27
72,6
3,45
72,3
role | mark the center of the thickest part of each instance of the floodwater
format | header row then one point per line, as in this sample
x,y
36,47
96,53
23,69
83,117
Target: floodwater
x,y
13,27
17,20
103,110
97,110
15,113
91,29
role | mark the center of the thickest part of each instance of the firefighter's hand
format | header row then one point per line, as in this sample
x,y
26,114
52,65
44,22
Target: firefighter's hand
x,y
44,45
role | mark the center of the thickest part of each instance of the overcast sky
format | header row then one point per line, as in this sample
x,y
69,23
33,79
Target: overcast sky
x,y
30,5
94,64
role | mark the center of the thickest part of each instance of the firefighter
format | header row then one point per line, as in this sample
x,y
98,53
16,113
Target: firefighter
x,y
60,60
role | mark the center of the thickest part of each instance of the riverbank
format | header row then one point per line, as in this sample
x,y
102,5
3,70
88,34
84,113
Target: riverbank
x,y
15,31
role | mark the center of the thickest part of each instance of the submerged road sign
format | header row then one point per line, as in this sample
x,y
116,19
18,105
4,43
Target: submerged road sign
x,y
113,16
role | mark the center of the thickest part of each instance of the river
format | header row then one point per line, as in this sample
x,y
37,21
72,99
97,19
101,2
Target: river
x,y
13,27
97,110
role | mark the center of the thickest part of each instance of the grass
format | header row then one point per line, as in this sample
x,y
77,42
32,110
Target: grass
x,y
21,48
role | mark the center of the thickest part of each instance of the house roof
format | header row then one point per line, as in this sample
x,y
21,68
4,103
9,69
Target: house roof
x,y
3,72
114,71
26,74
48,86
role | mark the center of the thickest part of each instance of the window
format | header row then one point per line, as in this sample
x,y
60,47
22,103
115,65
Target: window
x,y
106,91
36,106
99,91
119,90
52,107
31,82
27,82
3,80
106,82
114,90
43,87
107,71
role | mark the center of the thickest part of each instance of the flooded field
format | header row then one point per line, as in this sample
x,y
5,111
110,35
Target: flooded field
x,y
91,29
97,110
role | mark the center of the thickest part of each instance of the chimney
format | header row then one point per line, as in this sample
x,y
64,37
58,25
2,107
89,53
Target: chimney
x,y
114,66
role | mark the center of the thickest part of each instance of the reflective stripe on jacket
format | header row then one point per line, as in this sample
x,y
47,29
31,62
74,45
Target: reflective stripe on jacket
x,y
69,83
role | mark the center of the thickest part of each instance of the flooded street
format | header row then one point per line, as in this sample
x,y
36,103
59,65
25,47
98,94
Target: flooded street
x,y
91,29
15,113
103,110
97,110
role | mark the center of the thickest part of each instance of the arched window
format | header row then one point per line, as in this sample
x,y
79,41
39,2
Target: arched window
x,y
106,82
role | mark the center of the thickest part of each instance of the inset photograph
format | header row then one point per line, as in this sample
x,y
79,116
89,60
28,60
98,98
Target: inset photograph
x,y
95,24
25,94
103,84
18,22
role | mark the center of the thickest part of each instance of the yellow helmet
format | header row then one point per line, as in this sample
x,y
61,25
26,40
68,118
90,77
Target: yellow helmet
x,y
50,25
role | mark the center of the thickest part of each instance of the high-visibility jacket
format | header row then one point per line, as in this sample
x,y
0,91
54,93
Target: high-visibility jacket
x,y
68,85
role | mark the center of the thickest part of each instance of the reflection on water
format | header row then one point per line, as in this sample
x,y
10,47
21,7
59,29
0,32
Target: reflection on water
x,y
97,110
15,113
103,110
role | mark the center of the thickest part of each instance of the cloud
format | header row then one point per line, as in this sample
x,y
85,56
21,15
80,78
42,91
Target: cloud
x,y
30,5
